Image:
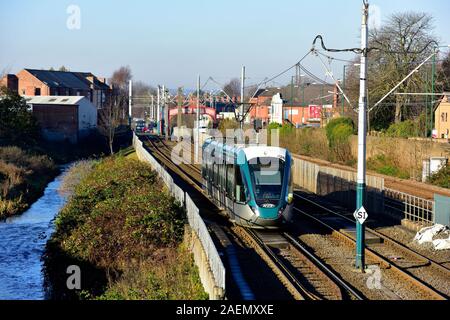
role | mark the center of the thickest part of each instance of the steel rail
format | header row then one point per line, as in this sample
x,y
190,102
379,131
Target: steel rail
x,y
330,273
374,255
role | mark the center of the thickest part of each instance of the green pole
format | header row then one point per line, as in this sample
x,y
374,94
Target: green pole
x,y
343,88
433,71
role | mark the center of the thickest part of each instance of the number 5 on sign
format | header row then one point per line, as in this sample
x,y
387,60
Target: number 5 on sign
x,y
361,215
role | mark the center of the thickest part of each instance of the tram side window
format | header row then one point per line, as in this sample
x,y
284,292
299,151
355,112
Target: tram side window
x,y
230,181
216,174
205,167
223,177
240,188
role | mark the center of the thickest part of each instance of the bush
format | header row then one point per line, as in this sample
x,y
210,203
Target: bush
x,y
405,129
121,219
338,133
441,178
17,124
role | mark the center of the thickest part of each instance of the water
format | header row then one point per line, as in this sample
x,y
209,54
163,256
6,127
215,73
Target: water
x,y
22,244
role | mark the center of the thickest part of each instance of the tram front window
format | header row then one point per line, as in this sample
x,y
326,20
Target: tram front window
x,y
267,178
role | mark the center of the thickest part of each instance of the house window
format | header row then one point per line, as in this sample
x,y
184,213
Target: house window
x,y
443,117
37,91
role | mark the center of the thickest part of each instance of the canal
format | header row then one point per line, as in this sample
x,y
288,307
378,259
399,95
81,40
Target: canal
x,y
22,244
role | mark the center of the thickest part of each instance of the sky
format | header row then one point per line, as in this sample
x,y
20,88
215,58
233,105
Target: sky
x,y
171,42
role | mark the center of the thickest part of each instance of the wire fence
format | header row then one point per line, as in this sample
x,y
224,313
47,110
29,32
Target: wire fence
x,y
193,214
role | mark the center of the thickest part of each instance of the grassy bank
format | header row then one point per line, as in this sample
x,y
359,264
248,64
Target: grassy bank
x,y
125,232
23,178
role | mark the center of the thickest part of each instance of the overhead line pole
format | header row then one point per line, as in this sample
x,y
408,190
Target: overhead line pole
x,y
130,98
197,131
362,131
242,98
158,111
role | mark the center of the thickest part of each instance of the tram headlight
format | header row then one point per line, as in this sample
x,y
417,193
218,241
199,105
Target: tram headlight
x,y
255,211
290,198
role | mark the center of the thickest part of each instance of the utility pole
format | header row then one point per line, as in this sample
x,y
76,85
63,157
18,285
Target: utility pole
x,y
343,89
197,124
166,114
158,112
242,97
361,181
292,95
179,111
152,110
130,98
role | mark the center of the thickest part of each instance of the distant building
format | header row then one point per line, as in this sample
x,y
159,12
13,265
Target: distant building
x,y
32,82
442,118
64,117
312,104
11,82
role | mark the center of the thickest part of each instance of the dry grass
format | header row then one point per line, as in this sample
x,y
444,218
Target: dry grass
x,y
23,177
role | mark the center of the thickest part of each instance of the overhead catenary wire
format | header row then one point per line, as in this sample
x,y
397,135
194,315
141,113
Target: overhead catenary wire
x,y
330,73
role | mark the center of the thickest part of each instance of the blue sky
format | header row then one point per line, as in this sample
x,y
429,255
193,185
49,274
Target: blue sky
x,y
170,42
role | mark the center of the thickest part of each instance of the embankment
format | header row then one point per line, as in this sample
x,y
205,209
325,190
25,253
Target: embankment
x,y
125,233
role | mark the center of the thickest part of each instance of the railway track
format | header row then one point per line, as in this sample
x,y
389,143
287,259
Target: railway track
x,y
308,278
304,275
410,265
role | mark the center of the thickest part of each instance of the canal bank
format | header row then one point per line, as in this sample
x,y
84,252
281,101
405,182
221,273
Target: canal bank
x,y
22,244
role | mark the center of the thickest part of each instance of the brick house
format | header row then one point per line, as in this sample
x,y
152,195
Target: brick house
x,y
32,82
63,117
442,118
302,109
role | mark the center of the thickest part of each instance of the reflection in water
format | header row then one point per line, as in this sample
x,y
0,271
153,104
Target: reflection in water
x,y
22,244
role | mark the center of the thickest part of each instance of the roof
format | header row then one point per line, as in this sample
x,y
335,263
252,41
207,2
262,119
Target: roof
x,y
66,79
311,93
56,100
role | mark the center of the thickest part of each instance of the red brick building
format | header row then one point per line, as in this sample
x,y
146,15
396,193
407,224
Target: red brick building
x,y
311,104
32,82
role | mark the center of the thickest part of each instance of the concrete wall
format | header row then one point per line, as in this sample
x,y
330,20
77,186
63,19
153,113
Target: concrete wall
x,y
201,260
337,184
407,153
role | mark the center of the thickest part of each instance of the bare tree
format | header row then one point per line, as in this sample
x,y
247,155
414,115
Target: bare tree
x,y
121,78
233,88
404,41
443,78
110,117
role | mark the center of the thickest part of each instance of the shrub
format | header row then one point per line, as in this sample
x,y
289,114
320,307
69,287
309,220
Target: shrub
x,y
441,178
17,124
117,213
403,129
338,133
120,219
